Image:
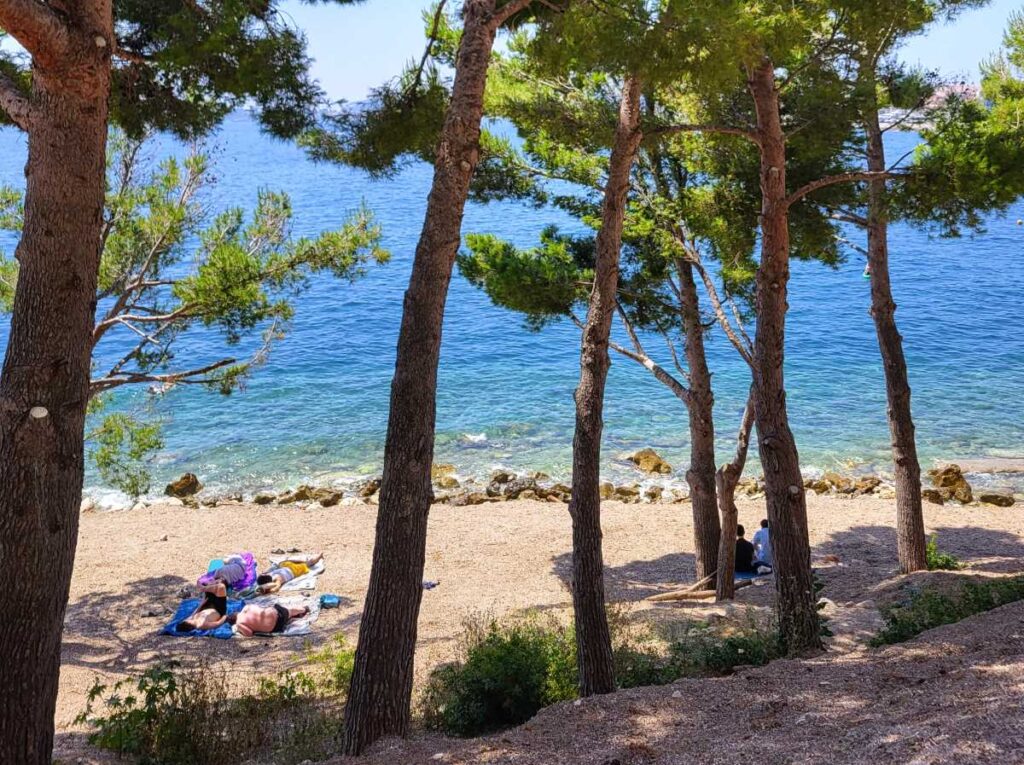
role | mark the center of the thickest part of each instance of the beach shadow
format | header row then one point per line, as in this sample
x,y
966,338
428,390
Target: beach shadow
x,y
637,579
862,562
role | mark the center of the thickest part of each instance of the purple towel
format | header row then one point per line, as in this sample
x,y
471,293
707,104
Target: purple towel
x,y
248,578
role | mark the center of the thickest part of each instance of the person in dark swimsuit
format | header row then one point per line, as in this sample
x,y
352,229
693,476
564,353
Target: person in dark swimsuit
x,y
211,612
255,619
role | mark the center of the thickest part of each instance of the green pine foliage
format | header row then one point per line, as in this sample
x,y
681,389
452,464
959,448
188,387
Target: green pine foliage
x,y
168,267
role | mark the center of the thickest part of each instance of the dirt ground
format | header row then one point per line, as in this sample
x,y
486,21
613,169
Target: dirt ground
x,y
851,705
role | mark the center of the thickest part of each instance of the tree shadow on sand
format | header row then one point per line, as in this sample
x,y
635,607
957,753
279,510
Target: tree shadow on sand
x,y
861,561
637,579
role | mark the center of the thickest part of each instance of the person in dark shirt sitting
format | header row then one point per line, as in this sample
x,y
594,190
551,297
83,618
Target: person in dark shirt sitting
x,y
745,562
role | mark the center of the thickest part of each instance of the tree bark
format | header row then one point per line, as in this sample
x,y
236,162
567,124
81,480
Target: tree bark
x,y
784,491
910,536
701,475
379,697
44,384
593,642
726,479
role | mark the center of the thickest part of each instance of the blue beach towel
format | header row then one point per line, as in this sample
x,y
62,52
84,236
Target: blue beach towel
x,y
185,610
745,575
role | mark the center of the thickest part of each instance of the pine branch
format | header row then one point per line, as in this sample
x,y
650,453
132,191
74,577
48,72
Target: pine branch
x,y
750,135
832,180
14,103
188,377
37,28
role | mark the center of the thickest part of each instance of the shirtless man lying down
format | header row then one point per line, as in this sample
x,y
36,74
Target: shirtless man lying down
x,y
264,620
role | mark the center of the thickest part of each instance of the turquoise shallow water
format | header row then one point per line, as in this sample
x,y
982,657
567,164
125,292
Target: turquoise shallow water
x,y
318,409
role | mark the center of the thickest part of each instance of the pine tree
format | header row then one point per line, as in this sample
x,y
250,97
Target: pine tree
x,y
179,66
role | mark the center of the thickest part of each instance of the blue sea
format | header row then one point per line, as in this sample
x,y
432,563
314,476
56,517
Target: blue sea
x,y
317,411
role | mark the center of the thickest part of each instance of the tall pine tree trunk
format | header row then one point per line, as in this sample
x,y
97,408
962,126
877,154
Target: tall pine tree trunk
x,y
784,491
910,537
381,688
726,479
44,385
593,642
701,475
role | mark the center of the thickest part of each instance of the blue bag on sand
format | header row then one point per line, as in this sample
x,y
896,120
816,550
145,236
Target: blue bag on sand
x,y
329,601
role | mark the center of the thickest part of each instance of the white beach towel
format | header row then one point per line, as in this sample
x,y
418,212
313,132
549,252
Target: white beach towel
x,y
304,582
296,626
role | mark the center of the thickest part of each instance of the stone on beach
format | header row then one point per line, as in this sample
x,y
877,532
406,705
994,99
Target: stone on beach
x,y
650,461
185,486
951,483
996,498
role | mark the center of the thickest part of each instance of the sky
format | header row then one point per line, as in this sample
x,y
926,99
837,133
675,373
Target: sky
x,y
358,47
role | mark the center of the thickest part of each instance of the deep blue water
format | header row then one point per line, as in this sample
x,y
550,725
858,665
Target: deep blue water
x,y
318,409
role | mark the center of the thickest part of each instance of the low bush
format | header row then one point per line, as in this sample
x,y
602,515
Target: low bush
x,y
702,651
928,608
169,715
938,560
508,673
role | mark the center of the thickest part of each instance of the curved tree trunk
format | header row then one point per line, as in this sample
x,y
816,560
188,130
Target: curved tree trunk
x,y
784,491
44,385
701,475
910,536
593,642
726,479
379,696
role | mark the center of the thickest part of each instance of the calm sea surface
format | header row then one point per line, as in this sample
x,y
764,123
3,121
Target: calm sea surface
x,y
318,409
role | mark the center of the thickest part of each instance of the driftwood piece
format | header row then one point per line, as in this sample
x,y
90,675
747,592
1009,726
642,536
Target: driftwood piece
x,y
690,594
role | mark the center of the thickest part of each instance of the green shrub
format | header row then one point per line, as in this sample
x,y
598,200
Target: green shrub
x,y
701,651
173,716
938,560
508,673
336,661
929,608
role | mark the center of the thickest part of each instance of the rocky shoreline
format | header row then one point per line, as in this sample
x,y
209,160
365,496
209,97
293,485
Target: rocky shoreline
x,y
942,485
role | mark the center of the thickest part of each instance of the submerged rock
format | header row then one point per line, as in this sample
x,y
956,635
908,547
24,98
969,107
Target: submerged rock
x,y
997,499
447,482
650,461
185,486
951,483
368,488
441,470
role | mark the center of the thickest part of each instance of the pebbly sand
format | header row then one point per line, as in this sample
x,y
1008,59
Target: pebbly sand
x,y
506,558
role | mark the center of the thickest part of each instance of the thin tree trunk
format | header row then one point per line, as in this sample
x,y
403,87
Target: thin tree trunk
x,y
784,491
701,475
910,537
44,385
726,479
593,642
379,697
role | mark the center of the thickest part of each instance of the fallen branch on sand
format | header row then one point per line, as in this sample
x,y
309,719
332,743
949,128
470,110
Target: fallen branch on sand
x,y
690,593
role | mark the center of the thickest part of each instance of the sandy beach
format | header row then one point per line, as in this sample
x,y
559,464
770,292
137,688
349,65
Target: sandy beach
x,y
493,559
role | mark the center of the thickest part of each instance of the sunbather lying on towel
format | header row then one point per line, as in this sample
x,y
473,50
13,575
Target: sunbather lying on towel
x,y
233,570
211,612
284,572
264,620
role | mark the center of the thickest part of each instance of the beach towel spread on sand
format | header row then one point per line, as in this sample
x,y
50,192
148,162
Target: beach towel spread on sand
x,y
185,610
240,585
297,626
306,581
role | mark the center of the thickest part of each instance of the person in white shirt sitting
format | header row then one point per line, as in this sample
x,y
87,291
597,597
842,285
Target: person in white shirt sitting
x,y
763,546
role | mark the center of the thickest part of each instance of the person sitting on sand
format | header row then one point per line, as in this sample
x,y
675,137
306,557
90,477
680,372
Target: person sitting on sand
x,y
745,559
284,572
763,544
264,620
211,612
